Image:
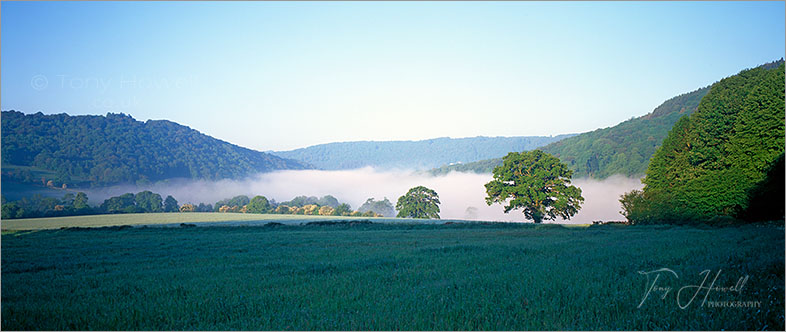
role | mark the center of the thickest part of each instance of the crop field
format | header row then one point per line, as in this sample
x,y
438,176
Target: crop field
x,y
138,219
372,276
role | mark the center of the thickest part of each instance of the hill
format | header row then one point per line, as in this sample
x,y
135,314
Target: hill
x,y
622,149
423,154
111,149
711,162
627,147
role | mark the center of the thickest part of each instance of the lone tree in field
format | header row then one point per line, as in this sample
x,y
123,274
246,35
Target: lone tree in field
x,y
419,202
537,182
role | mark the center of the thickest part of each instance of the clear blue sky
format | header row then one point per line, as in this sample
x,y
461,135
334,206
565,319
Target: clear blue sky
x,y
275,76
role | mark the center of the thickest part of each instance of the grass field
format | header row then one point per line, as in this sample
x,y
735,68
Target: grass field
x,y
138,219
388,276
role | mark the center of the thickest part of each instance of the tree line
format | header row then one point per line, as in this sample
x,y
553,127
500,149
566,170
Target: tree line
x,y
724,163
300,205
149,202
545,181
39,206
77,204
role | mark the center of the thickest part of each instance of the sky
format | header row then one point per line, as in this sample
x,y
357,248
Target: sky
x,y
279,76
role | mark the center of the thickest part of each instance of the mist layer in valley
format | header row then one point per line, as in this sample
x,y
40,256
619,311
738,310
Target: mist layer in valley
x,y
462,194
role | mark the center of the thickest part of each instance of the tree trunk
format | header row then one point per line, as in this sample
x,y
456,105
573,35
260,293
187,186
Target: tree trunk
x,y
537,217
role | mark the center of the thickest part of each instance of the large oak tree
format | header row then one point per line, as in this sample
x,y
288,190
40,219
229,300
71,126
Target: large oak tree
x,y
537,182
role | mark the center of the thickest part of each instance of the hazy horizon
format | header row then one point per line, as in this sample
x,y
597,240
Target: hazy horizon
x,y
458,191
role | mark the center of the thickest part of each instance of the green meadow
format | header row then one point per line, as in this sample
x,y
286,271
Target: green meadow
x,y
390,276
140,219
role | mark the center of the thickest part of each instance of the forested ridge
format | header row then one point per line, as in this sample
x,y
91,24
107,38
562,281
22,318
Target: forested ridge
x,y
723,159
424,154
116,148
622,149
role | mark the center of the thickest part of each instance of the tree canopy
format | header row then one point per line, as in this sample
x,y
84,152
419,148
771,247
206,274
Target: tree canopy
x,y
383,207
418,202
238,201
100,150
342,209
300,201
258,204
170,204
537,182
149,202
40,206
711,162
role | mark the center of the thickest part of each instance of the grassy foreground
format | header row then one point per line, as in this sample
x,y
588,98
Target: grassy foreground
x,y
389,277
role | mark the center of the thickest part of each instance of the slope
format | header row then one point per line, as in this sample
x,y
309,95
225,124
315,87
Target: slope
x,y
423,154
622,149
111,149
711,160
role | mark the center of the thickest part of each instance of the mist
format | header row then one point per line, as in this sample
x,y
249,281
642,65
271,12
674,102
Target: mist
x,y
462,195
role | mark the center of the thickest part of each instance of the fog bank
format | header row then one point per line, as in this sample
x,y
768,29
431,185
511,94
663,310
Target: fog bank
x,y
462,194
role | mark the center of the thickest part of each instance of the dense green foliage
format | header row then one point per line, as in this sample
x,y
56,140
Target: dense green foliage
x,y
387,277
259,204
74,205
537,182
343,209
301,205
148,202
424,154
627,147
711,161
238,201
38,206
622,149
116,148
418,202
766,199
143,202
170,204
301,201
383,207
634,205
